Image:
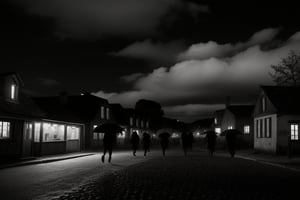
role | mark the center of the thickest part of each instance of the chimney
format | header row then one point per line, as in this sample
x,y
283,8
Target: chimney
x,y
227,101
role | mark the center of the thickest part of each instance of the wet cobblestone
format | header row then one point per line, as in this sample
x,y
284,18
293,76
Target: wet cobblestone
x,y
191,178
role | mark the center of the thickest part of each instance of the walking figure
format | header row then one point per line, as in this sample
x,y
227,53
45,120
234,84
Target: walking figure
x,y
190,138
231,142
211,138
108,142
135,140
164,141
184,142
146,142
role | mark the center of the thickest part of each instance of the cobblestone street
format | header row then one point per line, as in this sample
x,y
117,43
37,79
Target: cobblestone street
x,y
195,176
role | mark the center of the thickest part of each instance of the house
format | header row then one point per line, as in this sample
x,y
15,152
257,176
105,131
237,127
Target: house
x,y
218,115
59,131
94,111
130,121
87,109
276,119
239,117
18,113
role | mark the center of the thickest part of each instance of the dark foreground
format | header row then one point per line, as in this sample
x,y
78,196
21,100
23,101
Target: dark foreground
x,y
195,176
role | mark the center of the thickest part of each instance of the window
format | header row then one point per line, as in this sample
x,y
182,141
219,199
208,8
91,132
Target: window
x,y
263,104
229,127
137,122
13,92
102,112
53,132
73,132
147,124
246,129
258,128
4,130
218,130
131,121
37,132
142,123
294,132
95,136
216,120
268,127
107,114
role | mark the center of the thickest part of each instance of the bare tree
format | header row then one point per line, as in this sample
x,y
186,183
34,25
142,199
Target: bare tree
x,y
287,72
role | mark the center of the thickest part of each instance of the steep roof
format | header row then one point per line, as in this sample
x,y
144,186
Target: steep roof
x,y
241,110
286,99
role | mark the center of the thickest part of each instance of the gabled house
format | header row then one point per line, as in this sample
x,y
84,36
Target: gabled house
x,y
218,115
239,117
17,115
59,131
130,121
277,119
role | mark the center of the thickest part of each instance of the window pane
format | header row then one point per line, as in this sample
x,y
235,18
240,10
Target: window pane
x,y
53,132
4,130
37,131
73,132
107,113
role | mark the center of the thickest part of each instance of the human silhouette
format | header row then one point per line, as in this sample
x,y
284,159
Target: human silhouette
x,y
185,142
146,142
108,142
231,142
211,138
135,140
164,141
190,138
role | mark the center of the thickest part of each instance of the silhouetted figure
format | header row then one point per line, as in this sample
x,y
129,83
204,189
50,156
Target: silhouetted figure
x,y
231,142
190,138
164,141
135,140
211,138
146,142
108,142
185,142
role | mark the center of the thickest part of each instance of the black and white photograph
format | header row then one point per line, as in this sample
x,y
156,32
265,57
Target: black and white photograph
x,y
149,100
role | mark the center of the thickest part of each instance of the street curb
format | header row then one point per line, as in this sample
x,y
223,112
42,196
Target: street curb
x,y
43,161
268,163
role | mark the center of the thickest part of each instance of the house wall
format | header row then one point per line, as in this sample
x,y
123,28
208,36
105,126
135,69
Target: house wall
x,y
245,140
283,132
12,147
228,120
266,144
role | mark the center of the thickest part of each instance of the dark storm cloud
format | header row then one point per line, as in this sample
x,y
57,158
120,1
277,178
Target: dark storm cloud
x,y
209,79
48,82
93,18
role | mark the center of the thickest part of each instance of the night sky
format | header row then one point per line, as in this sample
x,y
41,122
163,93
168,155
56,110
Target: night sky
x,y
187,55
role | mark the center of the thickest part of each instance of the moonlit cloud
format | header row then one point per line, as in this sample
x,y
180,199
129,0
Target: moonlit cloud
x,y
213,49
208,80
94,18
132,77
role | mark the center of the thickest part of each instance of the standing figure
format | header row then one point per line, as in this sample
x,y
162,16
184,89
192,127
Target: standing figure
x,y
135,140
190,140
164,141
231,142
146,142
108,142
184,142
211,138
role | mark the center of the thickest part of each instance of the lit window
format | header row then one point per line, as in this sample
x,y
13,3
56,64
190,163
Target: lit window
x,y
37,131
107,114
216,121
229,127
218,130
95,136
13,92
294,132
73,133
4,130
246,129
53,132
102,112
